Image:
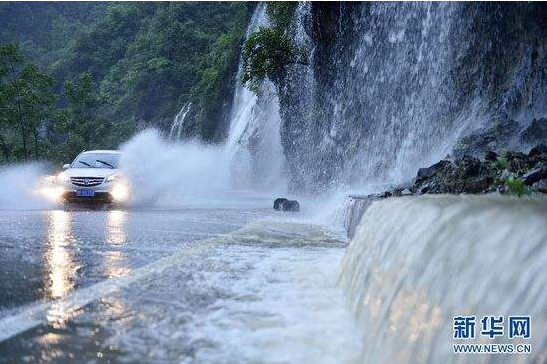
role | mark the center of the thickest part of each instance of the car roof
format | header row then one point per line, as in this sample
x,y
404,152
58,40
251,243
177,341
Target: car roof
x,y
102,151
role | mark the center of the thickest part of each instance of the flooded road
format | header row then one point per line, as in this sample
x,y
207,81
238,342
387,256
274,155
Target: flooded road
x,y
186,285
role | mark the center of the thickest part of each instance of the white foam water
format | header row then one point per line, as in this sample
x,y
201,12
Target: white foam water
x,y
178,123
264,294
414,263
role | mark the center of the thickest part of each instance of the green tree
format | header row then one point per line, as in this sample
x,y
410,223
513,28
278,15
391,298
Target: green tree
x,y
268,51
27,101
81,120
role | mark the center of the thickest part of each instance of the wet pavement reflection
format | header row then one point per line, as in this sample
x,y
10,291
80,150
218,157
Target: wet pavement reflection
x,y
60,265
47,254
162,286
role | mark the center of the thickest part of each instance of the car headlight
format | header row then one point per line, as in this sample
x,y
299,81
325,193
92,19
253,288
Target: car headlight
x,y
113,178
62,177
53,194
120,192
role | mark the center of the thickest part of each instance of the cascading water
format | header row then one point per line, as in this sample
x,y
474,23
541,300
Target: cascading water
x,y
250,159
253,146
416,262
178,123
397,86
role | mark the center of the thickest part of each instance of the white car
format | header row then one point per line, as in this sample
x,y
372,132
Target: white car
x,y
92,176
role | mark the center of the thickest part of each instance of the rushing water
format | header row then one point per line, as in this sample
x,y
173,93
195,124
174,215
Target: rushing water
x,y
186,285
394,87
183,281
178,123
414,263
252,152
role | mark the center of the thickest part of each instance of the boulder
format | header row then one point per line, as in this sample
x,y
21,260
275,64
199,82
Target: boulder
x,y
283,204
497,134
278,203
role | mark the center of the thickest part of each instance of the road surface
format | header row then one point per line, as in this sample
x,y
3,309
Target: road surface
x,y
185,285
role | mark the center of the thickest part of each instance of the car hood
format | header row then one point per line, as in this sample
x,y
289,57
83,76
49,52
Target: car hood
x,y
90,172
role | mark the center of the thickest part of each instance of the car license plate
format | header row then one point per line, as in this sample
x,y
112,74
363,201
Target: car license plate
x,y
85,193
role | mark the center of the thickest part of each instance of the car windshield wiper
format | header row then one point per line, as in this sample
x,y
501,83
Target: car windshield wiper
x,y
87,164
108,164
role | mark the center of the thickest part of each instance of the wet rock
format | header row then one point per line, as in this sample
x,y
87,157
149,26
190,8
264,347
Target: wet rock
x,y
491,156
279,202
534,176
541,186
538,150
283,204
467,174
536,132
498,135
406,192
425,173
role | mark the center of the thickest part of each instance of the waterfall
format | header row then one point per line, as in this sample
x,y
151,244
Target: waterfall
x,y
178,122
414,263
253,147
392,87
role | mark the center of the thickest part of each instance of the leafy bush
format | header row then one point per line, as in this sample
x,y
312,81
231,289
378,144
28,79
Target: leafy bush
x,y
516,186
501,163
265,55
268,51
281,12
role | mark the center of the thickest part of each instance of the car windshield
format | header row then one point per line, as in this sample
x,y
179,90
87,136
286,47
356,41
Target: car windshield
x,y
96,160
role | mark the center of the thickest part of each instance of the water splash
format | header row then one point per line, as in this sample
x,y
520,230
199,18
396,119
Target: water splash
x,y
414,263
19,186
173,173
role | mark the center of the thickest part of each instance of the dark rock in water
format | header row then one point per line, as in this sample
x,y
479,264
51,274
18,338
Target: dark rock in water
x,y
283,204
278,202
291,205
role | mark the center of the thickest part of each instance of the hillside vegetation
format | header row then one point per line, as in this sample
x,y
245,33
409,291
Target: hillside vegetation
x,y
86,75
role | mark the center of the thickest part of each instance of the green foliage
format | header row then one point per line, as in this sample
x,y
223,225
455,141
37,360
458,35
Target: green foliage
x,y
85,126
98,71
26,103
501,163
268,51
30,120
516,186
281,12
265,55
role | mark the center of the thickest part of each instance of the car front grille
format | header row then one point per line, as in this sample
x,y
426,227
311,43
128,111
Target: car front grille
x,y
86,181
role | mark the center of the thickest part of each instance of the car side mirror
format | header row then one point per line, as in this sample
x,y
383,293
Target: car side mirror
x,y
66,166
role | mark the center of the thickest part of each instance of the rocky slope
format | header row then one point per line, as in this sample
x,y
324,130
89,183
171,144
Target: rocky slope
x,y
510,173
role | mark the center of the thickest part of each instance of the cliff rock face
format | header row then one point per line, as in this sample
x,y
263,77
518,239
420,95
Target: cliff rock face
x,y
393,87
